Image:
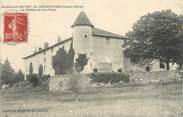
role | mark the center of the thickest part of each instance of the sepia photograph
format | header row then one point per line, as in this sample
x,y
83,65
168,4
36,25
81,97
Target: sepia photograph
x,y
89,58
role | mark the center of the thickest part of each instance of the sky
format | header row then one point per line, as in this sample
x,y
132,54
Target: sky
x,y
117,16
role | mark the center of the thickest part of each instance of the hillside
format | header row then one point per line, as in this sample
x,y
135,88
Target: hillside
x,y
154,100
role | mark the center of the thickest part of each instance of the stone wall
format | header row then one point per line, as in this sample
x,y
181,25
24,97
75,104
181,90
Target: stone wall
x,y
142,77
56,83
61,82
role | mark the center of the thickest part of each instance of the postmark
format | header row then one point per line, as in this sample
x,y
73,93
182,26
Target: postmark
x,y
15,27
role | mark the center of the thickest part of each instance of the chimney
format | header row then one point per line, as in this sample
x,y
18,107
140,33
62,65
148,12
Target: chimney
x,y
40,48
46,45
58,39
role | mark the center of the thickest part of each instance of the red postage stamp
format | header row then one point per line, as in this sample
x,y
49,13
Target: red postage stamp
x,y
15,27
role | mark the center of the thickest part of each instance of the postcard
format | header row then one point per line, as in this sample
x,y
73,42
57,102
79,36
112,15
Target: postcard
x,y
91,58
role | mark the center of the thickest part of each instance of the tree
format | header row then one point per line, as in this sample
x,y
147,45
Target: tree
x,y
81,61
33,79
76,79
18,77
71,58
63,61
40,71
153,37
179,58
7,72
30,69
9,76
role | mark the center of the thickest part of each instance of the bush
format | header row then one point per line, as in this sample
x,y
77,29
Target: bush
x,y
44,80
109,77
46,76
18,77
33,79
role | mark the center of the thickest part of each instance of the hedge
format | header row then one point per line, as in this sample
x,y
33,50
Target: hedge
x,y
33,79
109,77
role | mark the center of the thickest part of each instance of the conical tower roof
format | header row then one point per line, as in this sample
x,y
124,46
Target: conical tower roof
x,y
82,20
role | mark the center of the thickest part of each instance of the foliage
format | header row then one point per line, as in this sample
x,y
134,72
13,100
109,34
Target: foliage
x,y
63,61
33,79
40,71
9,76
43,80
153,37
109,77
7,72
18,77
70,59
81,61
178,59
46,77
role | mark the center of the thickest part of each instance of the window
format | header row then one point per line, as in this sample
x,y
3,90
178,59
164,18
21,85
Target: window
x,y
119,70
44,52
95,70
44,59
147,68
51,49
86,35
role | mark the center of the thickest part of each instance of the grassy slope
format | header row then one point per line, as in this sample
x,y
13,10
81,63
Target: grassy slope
x,y
132,101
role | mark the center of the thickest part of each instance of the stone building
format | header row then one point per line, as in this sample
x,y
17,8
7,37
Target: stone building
x,y
102,49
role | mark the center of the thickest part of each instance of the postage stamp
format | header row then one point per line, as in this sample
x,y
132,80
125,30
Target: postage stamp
x,y
15,27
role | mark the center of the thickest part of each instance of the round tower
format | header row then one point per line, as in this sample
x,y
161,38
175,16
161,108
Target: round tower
x,y
82,35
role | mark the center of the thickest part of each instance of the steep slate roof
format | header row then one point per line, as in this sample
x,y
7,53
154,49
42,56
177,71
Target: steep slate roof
x,y
103,33
50,47
82,19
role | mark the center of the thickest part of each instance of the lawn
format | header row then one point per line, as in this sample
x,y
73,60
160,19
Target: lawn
x,y
155,100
